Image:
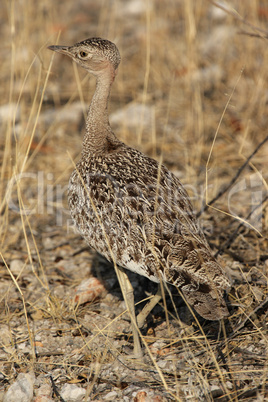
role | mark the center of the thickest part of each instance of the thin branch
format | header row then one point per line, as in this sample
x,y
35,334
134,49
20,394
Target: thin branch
x,y
262,32
234,234
253,35
55,390
240,170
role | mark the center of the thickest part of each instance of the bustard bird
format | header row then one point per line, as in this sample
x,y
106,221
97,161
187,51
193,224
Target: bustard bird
x,y
133,210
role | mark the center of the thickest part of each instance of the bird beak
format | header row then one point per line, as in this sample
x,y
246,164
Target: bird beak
x,y
60,49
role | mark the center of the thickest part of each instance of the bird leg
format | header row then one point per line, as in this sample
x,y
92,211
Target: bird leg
x,y
128,295
141,317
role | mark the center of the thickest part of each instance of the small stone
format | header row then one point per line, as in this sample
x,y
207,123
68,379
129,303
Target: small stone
x,y
16,266
148,395
162,364
141,397
215,391
111,396
48,243
72,393
37,315
89,290
21,390
229,385
44,390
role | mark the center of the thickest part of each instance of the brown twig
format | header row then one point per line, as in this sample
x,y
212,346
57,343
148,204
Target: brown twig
x,y
233,235
238,173
262,32
253,35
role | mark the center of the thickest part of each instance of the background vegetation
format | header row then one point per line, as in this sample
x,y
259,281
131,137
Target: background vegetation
x,y
191,91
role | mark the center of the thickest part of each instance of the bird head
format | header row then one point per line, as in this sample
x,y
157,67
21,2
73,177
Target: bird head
x,y
94,54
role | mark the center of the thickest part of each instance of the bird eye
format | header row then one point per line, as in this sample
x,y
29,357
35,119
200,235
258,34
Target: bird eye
x,y
83,54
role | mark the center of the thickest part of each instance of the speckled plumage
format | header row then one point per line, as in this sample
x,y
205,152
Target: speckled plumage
x,y
125,203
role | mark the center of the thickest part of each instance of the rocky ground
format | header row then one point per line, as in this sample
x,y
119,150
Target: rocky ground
x,y
64,330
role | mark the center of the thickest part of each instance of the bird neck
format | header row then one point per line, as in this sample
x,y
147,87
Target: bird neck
x,y
97,123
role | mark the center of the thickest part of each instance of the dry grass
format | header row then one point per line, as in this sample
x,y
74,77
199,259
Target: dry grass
x,y
187,64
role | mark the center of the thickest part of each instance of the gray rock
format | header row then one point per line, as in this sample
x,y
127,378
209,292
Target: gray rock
x,y
21,390
72,393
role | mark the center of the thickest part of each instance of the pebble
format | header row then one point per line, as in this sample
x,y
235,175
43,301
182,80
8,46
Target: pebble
x,y
44,393
89,290
16,266
148,395
141,397
162,364
22,389
72,393
229,385
215,390
44,390
24,348
111,396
